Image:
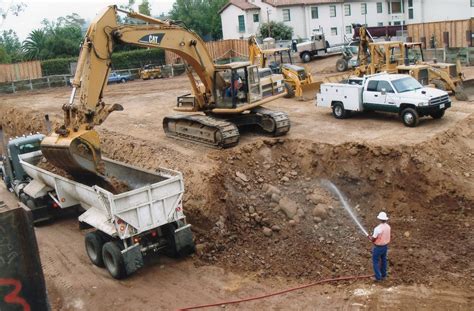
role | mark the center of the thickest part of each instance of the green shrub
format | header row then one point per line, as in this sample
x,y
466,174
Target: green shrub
x,y
57,66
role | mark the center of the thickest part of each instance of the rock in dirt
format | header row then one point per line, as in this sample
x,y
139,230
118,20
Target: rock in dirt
x,y
267,231
292,223
288,206
275,197
321,211
284,179
270,189
276,228
242,176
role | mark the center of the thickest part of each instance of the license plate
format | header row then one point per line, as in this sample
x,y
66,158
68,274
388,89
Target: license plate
x,y
441,106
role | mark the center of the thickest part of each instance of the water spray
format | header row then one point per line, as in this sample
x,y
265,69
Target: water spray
x,y
331,187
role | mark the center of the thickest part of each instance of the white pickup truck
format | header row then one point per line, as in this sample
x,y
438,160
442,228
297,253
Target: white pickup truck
x,y
395,93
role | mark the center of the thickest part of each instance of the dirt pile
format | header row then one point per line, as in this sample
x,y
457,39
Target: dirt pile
x,y
277,220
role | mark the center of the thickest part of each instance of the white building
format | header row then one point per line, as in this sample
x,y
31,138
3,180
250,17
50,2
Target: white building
x,y
241,18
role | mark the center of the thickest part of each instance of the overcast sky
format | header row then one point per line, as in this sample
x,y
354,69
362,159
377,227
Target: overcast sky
x,y
37,10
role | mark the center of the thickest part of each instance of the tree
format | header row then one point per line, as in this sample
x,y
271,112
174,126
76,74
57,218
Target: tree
x,y
35,44
145,8
10,7
4,57
279,31
200,15
11,45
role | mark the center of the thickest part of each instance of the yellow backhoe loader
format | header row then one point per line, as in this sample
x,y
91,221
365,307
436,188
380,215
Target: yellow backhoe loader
x,y
407,58
298,80
228,95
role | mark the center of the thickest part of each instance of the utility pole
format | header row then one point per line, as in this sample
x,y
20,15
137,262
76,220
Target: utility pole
x,y
268,22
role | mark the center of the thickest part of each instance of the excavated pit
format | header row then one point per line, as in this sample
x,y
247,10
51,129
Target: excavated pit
x,y
260,207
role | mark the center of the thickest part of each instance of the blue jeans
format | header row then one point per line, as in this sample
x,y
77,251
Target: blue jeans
x,y
379,261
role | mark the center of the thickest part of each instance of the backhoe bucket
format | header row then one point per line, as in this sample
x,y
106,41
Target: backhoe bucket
x,y
308,91
78,153
465,91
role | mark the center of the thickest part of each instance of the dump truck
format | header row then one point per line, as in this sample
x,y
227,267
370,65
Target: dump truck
x,y
141,217
395,93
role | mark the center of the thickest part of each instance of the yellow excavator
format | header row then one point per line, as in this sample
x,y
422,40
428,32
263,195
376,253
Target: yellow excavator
x,y
407,58
229,95
298,80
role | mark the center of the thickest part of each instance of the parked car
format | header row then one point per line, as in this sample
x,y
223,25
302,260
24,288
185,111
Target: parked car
x,y
119,78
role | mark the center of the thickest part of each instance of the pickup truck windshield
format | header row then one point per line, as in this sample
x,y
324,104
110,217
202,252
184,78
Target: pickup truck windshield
x,y
406,85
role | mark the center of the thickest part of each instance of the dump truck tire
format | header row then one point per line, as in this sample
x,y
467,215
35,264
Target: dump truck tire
x,y
290,91
94,244
438,114
113,260
306,57
410,117
341,65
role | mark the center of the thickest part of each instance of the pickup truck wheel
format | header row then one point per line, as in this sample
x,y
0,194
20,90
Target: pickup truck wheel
x,y
306,57
438,114
290,91
113,260
338,111
94,244
123,80
410,117
341,65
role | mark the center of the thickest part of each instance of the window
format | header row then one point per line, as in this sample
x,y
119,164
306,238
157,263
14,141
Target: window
x,y
379,7
372,86
256,18
334,31
472,3
286,15
363,8
396,7
397,23
380,24
349,29
241,23
315,13
410,9
384,85
332,11
347,9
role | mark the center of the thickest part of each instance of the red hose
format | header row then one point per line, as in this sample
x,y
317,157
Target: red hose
x,y
342,278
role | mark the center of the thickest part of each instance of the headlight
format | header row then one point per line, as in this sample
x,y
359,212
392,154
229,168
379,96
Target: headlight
x,y
423,103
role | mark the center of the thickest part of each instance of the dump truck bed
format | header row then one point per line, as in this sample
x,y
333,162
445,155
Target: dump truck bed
x,y
151,200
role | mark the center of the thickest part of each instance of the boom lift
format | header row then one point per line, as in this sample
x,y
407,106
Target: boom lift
x,y
298,80
229,95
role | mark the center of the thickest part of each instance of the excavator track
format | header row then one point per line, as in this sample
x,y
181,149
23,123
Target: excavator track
x,y
207,130
275,122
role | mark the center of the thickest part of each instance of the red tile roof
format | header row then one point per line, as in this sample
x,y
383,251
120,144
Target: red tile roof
x,y
241,4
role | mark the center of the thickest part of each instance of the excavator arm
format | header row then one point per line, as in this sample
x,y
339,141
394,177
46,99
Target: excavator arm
x,y
74,146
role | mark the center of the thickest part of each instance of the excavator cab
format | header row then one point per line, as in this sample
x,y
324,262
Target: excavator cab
x,y
242,85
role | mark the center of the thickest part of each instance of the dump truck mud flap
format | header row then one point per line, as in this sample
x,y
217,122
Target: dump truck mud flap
x,y
133,258
184,240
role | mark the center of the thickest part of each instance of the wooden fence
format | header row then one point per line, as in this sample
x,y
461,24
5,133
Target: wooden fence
x,y
20,71
218,50
459,32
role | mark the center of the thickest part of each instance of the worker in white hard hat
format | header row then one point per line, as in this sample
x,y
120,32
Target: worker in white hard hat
x,y
381,239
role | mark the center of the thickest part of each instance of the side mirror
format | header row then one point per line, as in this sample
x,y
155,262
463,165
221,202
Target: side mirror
x,y
384,91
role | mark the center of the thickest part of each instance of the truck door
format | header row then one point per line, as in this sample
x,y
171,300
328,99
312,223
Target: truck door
x,y
378,96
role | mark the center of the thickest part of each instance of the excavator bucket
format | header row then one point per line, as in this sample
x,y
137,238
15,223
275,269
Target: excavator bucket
x,y
78,153
309,90
465,91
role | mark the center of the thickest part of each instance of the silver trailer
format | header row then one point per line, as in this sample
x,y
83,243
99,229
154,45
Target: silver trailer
x,y
147,217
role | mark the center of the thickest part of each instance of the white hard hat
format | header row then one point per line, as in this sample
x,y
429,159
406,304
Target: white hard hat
x,y
382,216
